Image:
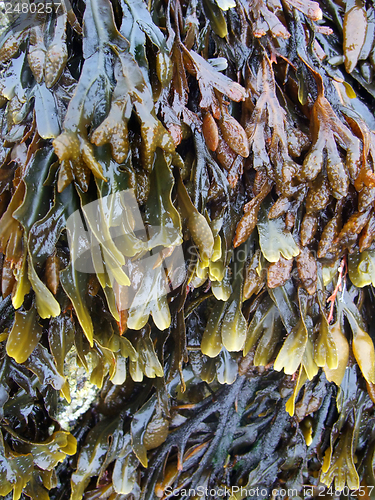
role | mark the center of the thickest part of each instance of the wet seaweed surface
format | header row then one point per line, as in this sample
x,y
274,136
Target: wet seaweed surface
x,y
244,130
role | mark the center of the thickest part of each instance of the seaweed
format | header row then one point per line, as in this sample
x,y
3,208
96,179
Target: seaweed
x,y
187,238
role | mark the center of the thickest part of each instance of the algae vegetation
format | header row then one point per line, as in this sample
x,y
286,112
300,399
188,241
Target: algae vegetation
x,y
245,131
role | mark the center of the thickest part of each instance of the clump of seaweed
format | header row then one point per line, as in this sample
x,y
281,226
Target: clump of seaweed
x,y
187,195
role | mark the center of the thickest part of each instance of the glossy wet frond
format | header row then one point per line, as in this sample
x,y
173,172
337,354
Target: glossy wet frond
x,y
187,226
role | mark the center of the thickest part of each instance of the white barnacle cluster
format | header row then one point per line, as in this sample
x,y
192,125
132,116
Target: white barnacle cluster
x,y
83,393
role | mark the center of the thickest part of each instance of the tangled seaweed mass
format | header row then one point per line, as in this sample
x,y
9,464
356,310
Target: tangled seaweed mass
x,y
245,130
